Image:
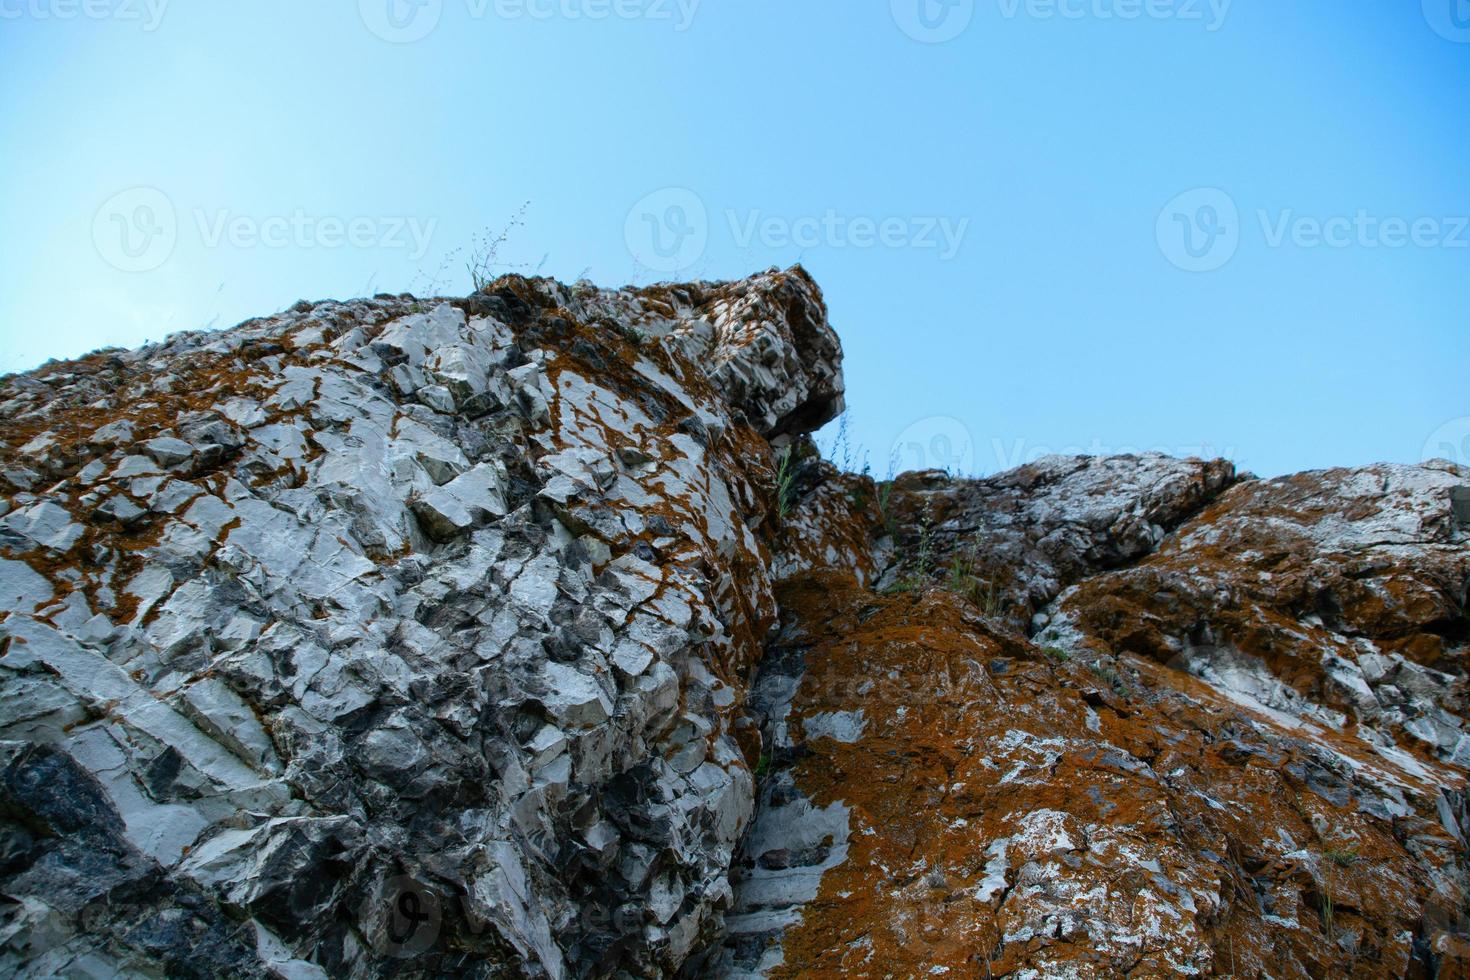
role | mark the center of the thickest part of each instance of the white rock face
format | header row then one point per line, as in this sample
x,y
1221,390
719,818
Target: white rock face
x,y
372,608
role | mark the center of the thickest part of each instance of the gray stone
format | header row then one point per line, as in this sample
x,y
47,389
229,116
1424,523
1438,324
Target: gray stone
x,y
470,499
167,451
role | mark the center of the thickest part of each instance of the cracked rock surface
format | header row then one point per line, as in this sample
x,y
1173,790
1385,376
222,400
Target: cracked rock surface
x,y
1120,717
369,609
524,635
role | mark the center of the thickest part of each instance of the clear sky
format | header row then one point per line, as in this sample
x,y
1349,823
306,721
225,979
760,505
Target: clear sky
x,y
1091,225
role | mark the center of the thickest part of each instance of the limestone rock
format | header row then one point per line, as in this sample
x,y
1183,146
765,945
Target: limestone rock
x,y
524,634
449,599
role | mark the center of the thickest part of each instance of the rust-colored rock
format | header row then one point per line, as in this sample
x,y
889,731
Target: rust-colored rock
x,y
948,795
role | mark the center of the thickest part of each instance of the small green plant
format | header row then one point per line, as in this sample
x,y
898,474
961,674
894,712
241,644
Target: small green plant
x,y
885,499
786,482
1343,859
1110,676
763,766
909,583
965,583
1056,653
918,575
962,579
991,603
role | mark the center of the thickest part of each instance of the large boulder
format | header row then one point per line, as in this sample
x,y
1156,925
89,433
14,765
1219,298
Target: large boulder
x,y
396,635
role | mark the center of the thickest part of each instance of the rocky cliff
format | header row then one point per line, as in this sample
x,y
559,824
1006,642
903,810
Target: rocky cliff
x,y
526,635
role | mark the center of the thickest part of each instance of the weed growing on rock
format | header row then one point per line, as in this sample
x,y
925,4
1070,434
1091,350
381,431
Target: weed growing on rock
x,y
1109,675
484,250
786,482
885,499
965,583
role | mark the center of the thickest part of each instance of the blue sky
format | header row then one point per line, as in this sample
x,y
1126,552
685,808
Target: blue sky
x,y
1058,225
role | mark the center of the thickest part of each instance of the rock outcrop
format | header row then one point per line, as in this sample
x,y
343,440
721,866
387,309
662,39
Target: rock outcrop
x,y
1131,716
524,635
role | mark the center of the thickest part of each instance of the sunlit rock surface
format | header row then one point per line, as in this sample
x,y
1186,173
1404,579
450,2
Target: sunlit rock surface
x,y
525,635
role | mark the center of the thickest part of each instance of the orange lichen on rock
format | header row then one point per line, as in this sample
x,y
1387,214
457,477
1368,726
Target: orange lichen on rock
x,y
1013,814
951,789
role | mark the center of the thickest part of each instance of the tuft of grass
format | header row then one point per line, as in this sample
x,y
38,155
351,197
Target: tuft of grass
x,y
763,766
885,500
1343,859
1110,676
909,583
964,583
786,482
